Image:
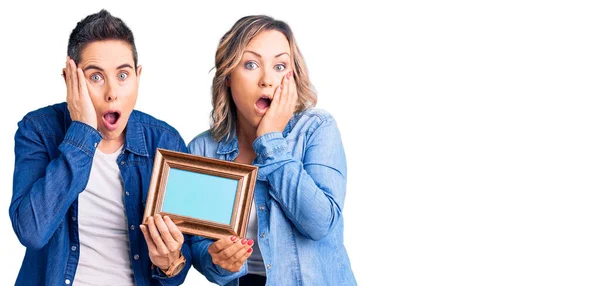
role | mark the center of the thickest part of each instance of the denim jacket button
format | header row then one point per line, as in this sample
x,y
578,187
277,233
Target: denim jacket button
x,y
67,281
268,266
262,235
73,248
262,208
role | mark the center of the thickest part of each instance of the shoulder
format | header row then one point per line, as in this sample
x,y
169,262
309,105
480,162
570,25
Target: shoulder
x,y
47,119
151,123
310,120
201,143
57,110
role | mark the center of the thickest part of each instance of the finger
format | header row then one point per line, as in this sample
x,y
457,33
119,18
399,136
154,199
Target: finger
x,y
289,88
165,234
67,76
283,98
228,252
236,266
174,230
149,242
293,94
74,82
81,80
160,245
221,244
276,98
241,253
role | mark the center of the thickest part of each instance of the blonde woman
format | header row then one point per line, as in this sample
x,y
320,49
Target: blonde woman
x,y
263,115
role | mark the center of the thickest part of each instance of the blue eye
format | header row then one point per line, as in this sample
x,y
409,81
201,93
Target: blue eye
x,y
96,77
123,75
280,67
251,65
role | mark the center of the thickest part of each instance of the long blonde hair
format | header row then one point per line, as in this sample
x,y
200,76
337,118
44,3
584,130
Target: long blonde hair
x,y
228,56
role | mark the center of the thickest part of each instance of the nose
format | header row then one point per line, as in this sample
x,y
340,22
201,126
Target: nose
x,y
267,78
111,91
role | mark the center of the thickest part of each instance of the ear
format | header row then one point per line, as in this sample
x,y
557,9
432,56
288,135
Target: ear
x,y
139,73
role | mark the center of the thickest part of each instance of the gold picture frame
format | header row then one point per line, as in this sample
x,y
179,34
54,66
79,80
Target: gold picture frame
x,y
203,196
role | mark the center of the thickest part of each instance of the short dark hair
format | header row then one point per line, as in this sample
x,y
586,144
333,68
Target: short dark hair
x,y
97,27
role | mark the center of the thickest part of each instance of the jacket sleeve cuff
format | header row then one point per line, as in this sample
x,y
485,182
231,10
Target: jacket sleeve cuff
x,y
269,146
83,137
180,277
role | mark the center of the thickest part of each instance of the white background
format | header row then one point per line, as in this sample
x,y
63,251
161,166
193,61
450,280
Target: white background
x,y
471,128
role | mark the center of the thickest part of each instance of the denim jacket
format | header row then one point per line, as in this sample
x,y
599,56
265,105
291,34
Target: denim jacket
x,y
53,159
299,197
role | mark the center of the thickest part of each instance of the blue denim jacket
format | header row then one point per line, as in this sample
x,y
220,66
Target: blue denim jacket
x,y
53,159
299,198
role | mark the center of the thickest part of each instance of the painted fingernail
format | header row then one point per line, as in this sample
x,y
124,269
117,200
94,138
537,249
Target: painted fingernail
x,y
288,75
250,242
232,238
244,241
249,250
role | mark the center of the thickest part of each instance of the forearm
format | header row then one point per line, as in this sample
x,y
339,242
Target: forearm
x,y
43,190
313,208
179,278
202,261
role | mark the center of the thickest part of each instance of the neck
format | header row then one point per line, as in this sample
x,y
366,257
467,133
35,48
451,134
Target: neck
x,y
246,133
109,146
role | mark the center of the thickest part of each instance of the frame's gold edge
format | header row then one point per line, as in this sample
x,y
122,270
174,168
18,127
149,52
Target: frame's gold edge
x,y
152,189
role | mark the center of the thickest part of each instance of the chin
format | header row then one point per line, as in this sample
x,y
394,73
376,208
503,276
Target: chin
x,y
112,135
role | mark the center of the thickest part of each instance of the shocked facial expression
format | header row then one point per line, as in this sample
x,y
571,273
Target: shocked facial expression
x,y
112,83
265,61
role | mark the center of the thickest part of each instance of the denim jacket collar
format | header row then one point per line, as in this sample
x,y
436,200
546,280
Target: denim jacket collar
x,y
135,142
229,146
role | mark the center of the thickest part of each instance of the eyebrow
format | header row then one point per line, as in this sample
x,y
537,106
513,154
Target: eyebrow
x,y
258,55
100,69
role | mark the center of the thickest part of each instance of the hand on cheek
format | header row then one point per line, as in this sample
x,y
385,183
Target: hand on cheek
x,y
79,102
282,107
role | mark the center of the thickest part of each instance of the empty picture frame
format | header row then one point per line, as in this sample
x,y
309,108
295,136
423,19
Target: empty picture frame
x,y
203,196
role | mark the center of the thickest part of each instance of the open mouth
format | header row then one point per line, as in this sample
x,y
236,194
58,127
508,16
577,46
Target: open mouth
x,y
263,102
111,119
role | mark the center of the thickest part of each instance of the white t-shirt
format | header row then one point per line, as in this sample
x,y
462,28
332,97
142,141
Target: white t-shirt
x,y
103,228
256,264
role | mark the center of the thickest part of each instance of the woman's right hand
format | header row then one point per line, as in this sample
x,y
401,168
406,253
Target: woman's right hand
x,y
231,252
79,102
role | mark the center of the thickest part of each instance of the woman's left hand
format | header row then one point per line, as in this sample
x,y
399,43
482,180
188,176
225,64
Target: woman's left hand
x,y
230,253
282,107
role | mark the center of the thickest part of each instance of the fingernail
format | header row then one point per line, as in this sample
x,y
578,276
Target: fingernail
x,y
281,87
250,242
232,238
244,241
166,217
249,250
288,75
